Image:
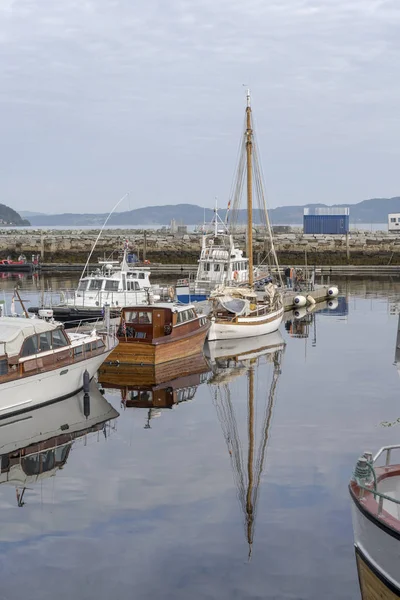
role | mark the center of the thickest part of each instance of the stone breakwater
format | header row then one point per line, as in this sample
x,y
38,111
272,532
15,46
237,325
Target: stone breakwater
x,y
73,246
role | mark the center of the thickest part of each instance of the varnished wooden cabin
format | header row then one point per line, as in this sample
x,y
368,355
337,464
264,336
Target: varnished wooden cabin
x,y
159,333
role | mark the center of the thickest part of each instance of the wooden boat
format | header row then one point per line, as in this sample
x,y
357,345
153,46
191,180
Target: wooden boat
x,y
240,312
34,446
375,492
159,333
156,387
40,363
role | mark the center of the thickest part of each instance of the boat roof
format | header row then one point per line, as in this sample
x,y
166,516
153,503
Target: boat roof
x,y
14,330
169,305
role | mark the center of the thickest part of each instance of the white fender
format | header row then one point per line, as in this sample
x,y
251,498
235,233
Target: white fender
x,y
299,301
332,292
310,299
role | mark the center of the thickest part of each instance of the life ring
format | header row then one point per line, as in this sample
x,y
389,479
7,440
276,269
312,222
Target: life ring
x,y
167,329
235,275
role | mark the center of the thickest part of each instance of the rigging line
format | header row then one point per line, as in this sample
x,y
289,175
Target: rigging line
x,y
237,162
100,232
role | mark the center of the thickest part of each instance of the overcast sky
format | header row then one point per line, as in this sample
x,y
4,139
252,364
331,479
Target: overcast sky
x,y
101,97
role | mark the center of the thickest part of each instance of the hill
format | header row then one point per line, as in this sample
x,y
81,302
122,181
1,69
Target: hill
x,y
8,217
374,210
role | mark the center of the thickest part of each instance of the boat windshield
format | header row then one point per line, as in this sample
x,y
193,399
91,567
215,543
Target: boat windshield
x,y
82,285
95,284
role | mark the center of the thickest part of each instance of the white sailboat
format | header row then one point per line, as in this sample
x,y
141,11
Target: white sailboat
x,y
242,311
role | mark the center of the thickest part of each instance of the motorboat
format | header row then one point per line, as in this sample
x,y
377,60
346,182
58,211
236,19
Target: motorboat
x,y
115,283
41,363
158,333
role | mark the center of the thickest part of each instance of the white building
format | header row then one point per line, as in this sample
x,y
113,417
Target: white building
x,y
394,222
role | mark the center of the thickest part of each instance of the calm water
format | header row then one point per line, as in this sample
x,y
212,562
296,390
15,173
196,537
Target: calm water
x,y
168,503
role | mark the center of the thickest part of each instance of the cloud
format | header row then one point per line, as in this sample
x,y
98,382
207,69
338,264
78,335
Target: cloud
x,y
100,95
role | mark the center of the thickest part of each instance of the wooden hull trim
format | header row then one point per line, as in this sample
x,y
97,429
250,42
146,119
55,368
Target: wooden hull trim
x,y
373,584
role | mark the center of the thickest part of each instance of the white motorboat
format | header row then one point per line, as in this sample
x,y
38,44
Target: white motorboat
x,y
41,363
220,263
240,312
115,283
375,492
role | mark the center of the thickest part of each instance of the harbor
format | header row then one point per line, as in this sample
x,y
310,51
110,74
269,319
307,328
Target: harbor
x,y
148,475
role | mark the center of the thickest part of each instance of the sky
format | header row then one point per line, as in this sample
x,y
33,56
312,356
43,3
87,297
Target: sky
x,y
103,97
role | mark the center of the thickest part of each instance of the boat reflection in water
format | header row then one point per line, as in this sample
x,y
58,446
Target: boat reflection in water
x,y
229,361
155,387
36,444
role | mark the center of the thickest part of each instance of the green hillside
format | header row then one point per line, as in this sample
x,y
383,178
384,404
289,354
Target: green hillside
x,y
8,217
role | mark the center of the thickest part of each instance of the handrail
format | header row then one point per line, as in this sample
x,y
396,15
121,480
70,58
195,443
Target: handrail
x,y
388,450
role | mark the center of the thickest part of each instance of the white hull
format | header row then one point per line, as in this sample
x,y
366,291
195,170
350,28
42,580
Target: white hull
x,y
378,547
246,327
29,392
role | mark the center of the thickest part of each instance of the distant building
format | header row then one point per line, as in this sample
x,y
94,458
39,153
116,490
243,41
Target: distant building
x,y
182,229
173,226
326,220
394,222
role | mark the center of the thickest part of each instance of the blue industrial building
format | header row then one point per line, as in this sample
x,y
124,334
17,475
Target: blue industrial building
x,y
329,220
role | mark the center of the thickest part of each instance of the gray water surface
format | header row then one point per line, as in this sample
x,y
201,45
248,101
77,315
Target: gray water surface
x,y
158,508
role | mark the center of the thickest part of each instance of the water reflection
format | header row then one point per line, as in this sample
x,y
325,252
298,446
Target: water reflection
x,y
229,360
36,444
155,387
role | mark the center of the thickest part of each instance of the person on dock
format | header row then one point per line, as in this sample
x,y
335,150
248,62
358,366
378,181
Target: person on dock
x,y
289,274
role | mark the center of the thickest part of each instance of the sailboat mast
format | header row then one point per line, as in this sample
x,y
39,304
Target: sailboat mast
x,y
249,155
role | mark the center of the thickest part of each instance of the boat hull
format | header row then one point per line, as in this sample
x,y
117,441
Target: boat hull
x,y
378,554
245,327
159,351
21,395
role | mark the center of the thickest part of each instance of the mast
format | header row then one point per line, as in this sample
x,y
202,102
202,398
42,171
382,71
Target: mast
x,y
249,156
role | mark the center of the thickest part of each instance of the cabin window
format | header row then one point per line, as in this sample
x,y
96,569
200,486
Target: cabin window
x,y
82,286
140,335
78,351
45,341
59,339
225,267
393,220
192,314
95,284
111,286
133,285
145,318
217,267
146,396
88,347
100,344
3,366
131,316
141,275
30,346
134,276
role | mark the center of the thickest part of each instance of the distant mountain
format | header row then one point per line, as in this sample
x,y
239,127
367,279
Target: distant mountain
x,y
9,217
28,213
375,210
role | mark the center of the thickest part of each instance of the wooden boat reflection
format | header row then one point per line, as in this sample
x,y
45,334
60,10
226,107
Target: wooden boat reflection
x,y
248,469
35,445
156,387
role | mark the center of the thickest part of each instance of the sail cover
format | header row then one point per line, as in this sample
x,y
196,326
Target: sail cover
x,y
236,306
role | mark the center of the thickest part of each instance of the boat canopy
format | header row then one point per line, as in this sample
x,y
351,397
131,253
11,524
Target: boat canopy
x,y
236,306
14,330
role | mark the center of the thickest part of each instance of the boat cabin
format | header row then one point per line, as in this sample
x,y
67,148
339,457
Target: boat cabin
x,y
29,346
146,323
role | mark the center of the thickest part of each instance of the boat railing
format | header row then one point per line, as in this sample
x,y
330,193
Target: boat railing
x,y
366,478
